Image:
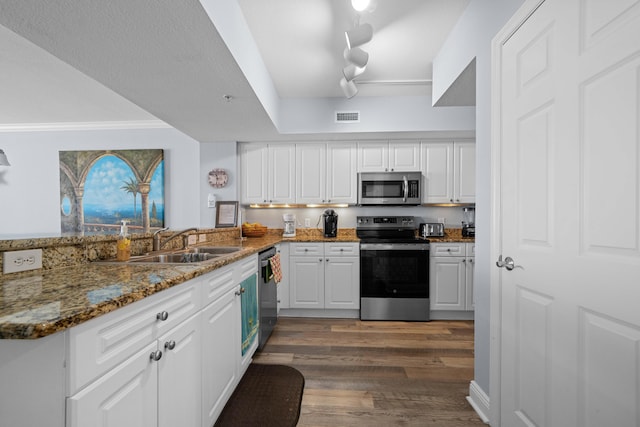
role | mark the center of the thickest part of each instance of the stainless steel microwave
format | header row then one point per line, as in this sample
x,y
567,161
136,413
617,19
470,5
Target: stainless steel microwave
x,y
389,188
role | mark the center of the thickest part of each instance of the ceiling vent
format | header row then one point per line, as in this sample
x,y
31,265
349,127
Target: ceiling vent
x,y
347,116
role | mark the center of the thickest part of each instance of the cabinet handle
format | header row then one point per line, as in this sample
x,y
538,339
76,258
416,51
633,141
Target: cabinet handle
x,y
448,249
464,260
170,345
320,259
327,259
155,355
471,260
341,249
306,250
162,316
241,291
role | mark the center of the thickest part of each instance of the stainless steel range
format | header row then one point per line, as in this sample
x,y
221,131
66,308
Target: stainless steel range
x,y
394,269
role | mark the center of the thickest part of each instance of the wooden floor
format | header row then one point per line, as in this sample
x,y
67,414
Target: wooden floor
x,y
378,373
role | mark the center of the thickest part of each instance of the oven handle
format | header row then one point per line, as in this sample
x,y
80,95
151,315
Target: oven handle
x,y
406,188
394,247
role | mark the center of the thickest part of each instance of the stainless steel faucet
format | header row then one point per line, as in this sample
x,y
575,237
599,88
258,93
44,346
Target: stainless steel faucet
x,y
158,244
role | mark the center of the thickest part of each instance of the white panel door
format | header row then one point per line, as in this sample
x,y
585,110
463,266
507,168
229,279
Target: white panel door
x,y
404,156
342,173
311,173
567,154
306,282
254,168
465,172
341,282
125,396
373,156
282,173
180,375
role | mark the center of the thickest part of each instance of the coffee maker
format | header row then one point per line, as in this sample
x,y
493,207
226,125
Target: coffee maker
x,y
469,223
330,223
289,225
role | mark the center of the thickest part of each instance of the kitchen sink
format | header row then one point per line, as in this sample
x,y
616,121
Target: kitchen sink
x,y
214,250
181,258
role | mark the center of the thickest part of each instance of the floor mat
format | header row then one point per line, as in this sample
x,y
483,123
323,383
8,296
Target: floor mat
x,y
268,395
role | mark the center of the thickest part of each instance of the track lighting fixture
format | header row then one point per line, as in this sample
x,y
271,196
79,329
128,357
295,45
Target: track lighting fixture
x,y
359,35
349,87
3,159
356,56
363,5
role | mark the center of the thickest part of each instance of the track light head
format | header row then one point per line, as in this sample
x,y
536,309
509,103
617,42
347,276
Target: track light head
x,y
349,87
356,56
359,35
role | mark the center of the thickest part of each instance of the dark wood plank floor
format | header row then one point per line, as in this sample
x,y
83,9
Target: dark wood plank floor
x,y
378,373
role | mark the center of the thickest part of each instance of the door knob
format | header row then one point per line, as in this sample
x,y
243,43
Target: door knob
x,y
508,263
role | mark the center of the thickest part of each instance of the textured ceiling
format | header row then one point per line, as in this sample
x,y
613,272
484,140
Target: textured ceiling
x,y
91,61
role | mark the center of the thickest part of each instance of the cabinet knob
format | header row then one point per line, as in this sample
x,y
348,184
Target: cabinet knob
x,y
241,291
162,316
327,259
155,355
170,345
320,259
341,249
448,249
306,250
471,260
464,260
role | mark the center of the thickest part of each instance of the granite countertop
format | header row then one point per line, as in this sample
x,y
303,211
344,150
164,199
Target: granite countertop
x,y
43,302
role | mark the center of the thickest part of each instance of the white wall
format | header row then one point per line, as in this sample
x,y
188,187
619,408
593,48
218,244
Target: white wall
x,y
471,37
219,155
30,187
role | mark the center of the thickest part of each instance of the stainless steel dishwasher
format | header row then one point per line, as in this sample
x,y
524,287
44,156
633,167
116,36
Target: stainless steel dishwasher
x,y
268,294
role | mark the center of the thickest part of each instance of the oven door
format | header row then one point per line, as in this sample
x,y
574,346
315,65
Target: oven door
x,y
394,270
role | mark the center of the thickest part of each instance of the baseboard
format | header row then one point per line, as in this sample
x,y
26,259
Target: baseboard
x,y
479,401
320,313
451,315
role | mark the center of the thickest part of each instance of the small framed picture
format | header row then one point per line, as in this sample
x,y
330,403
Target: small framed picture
x,y
226,214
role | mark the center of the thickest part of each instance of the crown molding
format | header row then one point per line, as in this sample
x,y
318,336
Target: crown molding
x,y
71,126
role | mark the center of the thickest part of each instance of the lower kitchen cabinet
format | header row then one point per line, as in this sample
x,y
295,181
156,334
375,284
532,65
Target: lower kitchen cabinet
x,y
283,285
158,386
171,359
324,275
451,277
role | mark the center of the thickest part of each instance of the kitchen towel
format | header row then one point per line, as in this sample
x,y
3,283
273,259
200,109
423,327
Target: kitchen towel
x,y
275,267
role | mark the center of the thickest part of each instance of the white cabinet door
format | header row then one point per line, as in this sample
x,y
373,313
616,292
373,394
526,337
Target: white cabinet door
x,y
469,284
283,286
282,173
311,173
220,350
373,156
254,160
447,287
125,396
437,166
341,282
465,169
307,282
342,186
404,156
179,375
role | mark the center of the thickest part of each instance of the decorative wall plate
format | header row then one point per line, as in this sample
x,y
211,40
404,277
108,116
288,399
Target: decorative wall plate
x,y
218,178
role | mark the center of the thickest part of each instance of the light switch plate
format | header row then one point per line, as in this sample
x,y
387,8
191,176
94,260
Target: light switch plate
x,y
15,261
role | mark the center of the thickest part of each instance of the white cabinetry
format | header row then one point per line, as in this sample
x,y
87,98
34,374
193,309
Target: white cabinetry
x,y
268,173
324,275
449,170
326,173
283,286
171,359
401,156
451,276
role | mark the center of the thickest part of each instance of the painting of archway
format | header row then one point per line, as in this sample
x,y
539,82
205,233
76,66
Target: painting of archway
x,y
100,188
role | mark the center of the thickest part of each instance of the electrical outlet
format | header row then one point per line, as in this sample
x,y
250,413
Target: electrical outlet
x,y
442,220
307,222
15,261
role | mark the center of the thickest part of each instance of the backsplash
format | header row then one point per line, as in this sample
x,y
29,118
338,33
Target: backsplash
x,y
60,252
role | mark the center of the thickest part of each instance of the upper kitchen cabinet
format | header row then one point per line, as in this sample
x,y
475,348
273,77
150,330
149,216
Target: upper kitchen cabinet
x,y
326,173
401,156
449,170
268,173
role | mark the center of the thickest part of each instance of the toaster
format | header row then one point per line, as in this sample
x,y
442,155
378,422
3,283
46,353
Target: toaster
x,y
432,229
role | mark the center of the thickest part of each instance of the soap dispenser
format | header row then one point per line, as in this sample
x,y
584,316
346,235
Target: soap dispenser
x,y
124,243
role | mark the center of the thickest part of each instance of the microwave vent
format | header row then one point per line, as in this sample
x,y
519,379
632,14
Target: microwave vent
x,y
347,116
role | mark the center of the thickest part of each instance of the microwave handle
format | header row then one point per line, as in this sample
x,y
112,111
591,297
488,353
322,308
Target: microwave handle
x,y
406,188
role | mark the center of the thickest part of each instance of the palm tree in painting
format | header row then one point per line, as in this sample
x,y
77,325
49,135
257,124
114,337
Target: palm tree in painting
x,y
132,187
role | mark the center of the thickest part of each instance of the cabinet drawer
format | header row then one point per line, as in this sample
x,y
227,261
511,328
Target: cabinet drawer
x,y
310,249
217,283
448,249
247,267
341,249
100,344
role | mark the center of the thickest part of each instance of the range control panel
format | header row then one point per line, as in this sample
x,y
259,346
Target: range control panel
x,y
385,222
